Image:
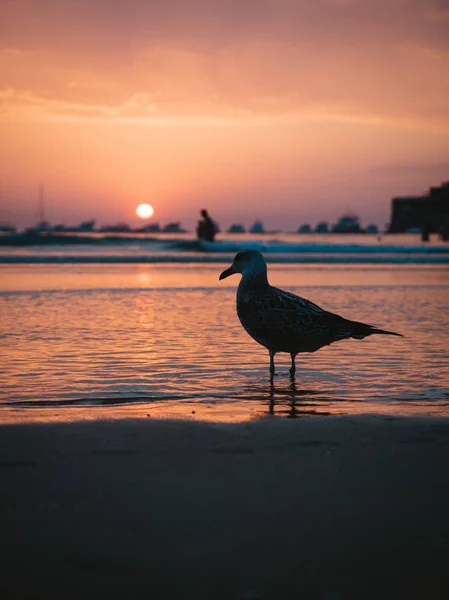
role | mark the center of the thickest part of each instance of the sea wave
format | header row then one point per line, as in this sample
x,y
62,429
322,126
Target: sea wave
x,y
185,258
283,248
320,248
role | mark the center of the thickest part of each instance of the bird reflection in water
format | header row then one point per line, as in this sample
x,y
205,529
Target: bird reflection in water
x,y
288,401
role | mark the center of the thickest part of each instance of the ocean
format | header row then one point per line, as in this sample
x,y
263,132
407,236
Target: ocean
x,y
141,327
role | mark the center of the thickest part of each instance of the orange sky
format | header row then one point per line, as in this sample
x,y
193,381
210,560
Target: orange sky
x,y
285,110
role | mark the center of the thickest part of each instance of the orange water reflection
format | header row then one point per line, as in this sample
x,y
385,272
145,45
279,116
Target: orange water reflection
x,y
174,348
237,411
41,277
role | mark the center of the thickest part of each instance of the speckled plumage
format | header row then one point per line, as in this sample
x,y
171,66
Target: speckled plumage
x,y
284,322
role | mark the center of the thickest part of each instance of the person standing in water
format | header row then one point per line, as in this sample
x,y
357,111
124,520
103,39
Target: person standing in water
x,y
206,228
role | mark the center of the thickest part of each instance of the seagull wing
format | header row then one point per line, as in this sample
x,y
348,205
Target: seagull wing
x,y
288,301
278,315
288,323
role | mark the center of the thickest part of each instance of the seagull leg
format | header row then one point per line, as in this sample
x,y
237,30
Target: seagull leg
x,y
293,367
271,365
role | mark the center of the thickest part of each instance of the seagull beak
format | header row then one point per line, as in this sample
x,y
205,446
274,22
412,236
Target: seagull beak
x,y
226,273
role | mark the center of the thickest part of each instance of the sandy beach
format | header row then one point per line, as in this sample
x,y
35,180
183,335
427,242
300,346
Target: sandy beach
x,y
332,507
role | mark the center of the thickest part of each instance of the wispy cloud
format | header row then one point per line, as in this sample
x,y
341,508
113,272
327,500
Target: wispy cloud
x,y
26,106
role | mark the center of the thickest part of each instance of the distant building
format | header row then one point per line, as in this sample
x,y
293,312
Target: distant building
x,y
149,228
417,212
86,226
118,228
5,228
236,228
257,227
322,227
41,227
347,224
304,228
173,228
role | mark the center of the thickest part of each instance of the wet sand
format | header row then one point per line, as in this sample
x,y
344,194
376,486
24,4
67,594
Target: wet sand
x,y
327,508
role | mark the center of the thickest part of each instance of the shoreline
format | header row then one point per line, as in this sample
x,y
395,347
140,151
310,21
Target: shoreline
x,y
336,507
217,411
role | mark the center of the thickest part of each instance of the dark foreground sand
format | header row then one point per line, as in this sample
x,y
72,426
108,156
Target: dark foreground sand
x,y
330,508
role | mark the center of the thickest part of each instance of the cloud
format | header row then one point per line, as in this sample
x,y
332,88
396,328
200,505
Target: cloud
x,y
138,109
377,61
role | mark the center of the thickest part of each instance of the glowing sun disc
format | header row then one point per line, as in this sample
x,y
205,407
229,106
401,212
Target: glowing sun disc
x,y
144,211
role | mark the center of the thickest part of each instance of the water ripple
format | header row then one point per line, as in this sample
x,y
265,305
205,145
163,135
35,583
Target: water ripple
x,y
170,347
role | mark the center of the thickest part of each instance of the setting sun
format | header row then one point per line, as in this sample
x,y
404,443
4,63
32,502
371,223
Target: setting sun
x,y
145,211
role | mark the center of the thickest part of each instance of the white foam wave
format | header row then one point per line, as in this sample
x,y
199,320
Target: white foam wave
x,y
226,257
320,248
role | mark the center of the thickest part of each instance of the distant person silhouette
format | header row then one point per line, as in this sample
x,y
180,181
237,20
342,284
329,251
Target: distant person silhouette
x,y
206,228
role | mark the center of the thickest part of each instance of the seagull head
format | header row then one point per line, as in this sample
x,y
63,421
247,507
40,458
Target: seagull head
x,y
250,263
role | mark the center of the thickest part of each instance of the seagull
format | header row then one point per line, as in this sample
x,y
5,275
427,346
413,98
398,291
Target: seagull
x,y
283,322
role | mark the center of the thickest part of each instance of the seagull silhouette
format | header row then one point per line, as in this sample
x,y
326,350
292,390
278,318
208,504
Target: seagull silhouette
x,y
283,322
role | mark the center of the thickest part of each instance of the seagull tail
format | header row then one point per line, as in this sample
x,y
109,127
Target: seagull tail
x,y
362,330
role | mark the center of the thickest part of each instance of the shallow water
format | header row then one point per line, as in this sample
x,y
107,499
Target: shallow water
x,y
90,341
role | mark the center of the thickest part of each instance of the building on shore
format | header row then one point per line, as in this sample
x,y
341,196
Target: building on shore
x,y
149,228
236,228
117,228
174,227
257,227
7,228
322,227
429,212
347,224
